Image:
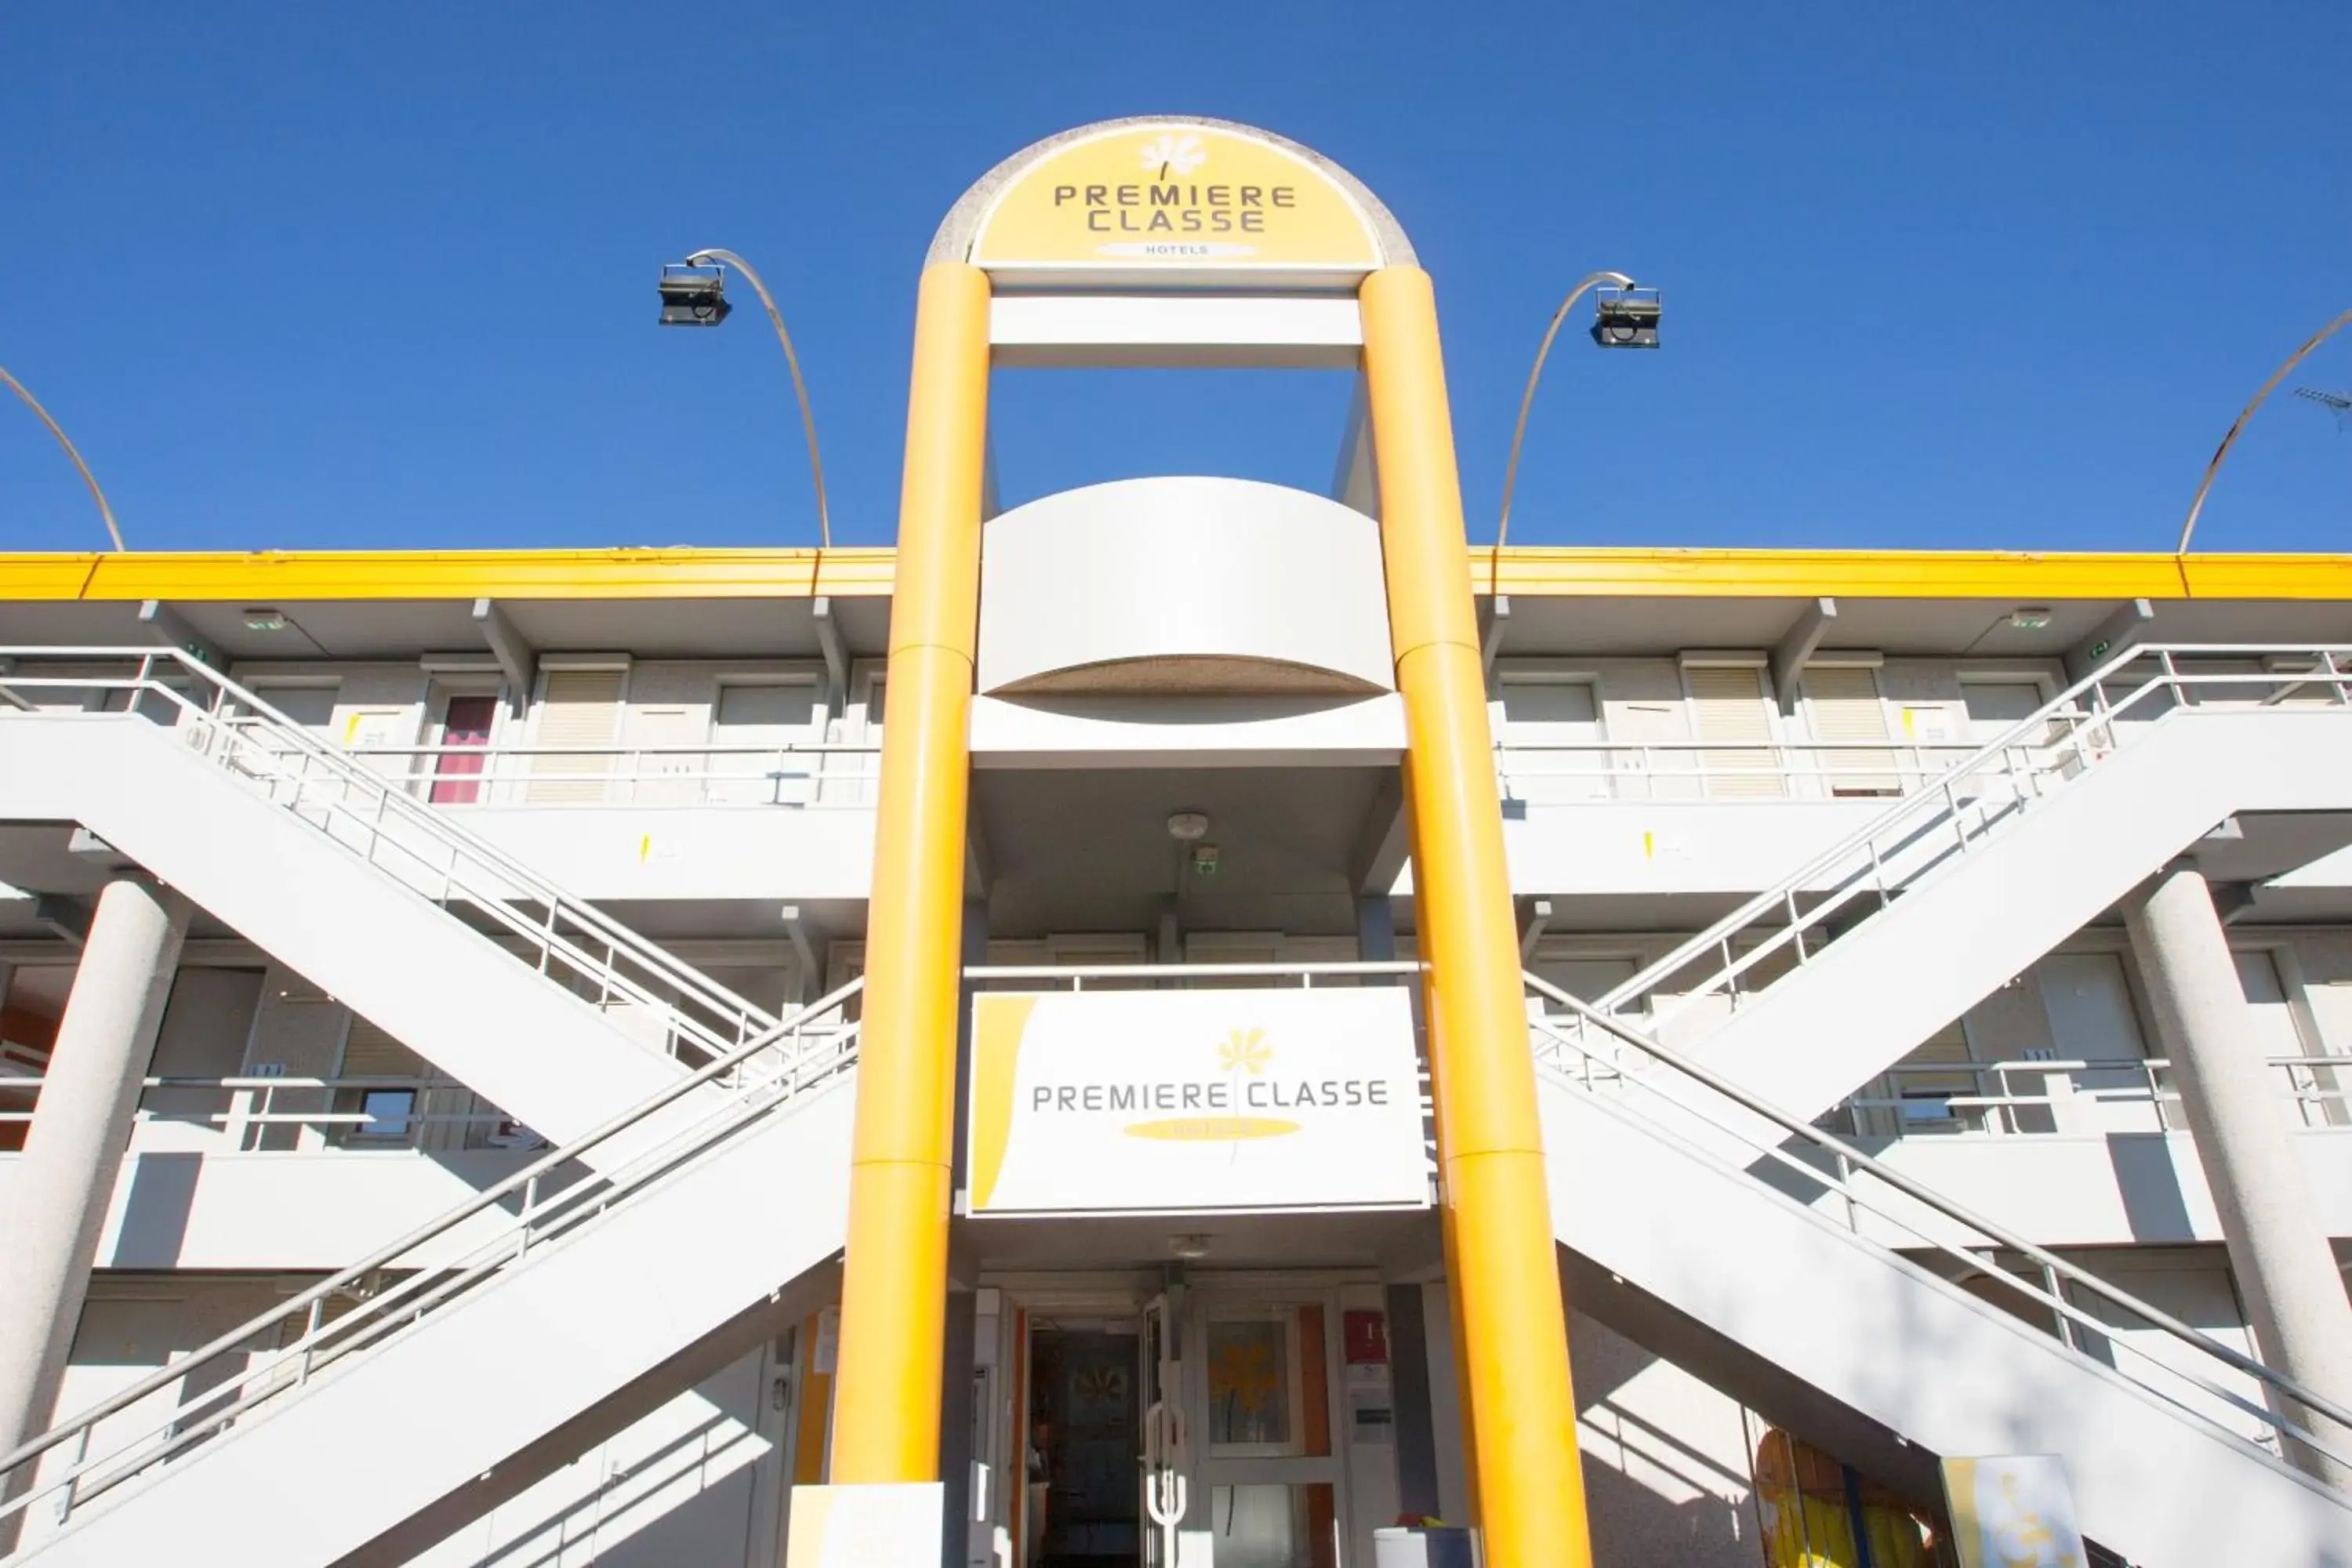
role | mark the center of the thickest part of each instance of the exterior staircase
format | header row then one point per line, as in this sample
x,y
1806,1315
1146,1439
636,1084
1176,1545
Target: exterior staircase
x,y
2176,1446
1821,983
381,1408
536,1000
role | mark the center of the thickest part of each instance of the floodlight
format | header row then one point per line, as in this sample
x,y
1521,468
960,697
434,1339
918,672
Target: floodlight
x,y
693,296
1626,318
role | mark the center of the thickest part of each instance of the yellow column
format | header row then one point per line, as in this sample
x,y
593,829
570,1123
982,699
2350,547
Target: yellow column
x,y
885,1423
1522,1412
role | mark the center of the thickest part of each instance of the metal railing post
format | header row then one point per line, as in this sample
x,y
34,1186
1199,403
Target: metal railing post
x,y
2055,1290
309,1339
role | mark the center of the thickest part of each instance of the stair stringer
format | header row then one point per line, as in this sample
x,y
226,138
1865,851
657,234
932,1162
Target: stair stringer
x,y
1832,1025
385,1437
1916,1355
440,987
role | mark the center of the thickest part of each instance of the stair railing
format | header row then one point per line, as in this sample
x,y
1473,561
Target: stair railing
x,y
1951,814
377,817
382,1295
2053,1283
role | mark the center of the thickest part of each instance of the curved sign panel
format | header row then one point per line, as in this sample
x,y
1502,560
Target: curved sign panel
x,y
1179,204
1179,1102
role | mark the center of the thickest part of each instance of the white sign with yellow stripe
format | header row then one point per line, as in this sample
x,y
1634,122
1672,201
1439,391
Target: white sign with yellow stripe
x,y
1173,1102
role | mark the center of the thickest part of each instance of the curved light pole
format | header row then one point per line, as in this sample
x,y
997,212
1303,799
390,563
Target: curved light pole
x,y
713,257
1526,401
105,511
2245,414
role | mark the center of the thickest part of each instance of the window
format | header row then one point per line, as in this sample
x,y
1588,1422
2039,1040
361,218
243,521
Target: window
x,y
1842,709
1727,707
311,706
1927,1107
389,1108
579,715
388,1113
1548,730
772,716
1994,707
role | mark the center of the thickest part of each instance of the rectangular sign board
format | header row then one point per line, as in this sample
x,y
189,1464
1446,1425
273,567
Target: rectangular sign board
x,y
1157,1101
2013,1511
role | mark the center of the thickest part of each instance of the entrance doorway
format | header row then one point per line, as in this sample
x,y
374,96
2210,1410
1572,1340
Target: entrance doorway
x,y
1084,1439
1230,1388
465,737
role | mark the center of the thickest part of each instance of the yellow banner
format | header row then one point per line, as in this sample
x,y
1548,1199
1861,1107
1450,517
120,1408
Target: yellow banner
x,y
1173,198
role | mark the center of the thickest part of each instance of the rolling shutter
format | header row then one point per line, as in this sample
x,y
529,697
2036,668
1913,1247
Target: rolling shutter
x,y
762,715
1728,706
1843,706
577,708
1563,713
370,1052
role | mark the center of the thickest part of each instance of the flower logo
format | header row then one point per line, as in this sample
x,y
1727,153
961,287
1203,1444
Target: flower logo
x,y
1244,1053
1169,150
1101,1385
1243,1373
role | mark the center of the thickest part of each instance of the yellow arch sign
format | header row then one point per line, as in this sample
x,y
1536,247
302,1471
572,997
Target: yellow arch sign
x,y
1159,201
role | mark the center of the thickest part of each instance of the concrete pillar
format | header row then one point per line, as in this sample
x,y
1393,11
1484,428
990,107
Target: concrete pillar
x,y
956,1415
1376,938
1416,1428
2278,1247
66,1176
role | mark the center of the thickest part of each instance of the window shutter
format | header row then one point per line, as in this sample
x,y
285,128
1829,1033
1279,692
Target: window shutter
x,y
370,1052
1728,705
1842,703
578,708
762,715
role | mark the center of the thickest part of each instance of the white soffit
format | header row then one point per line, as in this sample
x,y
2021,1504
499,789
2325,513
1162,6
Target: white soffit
x,y
1175,332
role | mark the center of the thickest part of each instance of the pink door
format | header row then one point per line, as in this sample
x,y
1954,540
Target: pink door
x,y
457,773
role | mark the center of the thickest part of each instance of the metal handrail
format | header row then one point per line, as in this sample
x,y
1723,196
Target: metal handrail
x,y
1847,1156
1939,796
1993,1100
532,1213
462,843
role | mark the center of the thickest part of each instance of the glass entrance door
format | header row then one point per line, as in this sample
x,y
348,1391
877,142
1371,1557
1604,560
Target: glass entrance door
x,y
1227,1389
1085,1433
1268,1487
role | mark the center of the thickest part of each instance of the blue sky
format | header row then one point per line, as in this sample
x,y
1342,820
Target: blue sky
x,y
1936,275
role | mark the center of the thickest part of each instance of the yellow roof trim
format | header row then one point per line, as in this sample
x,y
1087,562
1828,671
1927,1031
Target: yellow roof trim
x,y
1537,571
1805,573
308,575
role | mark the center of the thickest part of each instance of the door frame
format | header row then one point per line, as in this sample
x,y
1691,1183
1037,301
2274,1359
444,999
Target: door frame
x,y
1122,1295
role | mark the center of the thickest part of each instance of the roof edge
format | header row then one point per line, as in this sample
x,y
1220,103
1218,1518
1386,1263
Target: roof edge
x,y
1535,570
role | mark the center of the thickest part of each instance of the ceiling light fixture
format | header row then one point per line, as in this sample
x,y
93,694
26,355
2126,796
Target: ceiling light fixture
x,y
1192,1246
2030,617
1189,826
265,620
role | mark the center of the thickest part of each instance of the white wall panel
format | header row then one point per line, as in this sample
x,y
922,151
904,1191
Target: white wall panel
x,y
1191,584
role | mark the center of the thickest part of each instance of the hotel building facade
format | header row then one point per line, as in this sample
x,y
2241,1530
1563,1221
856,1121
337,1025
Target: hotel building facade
x,y
1181,1023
